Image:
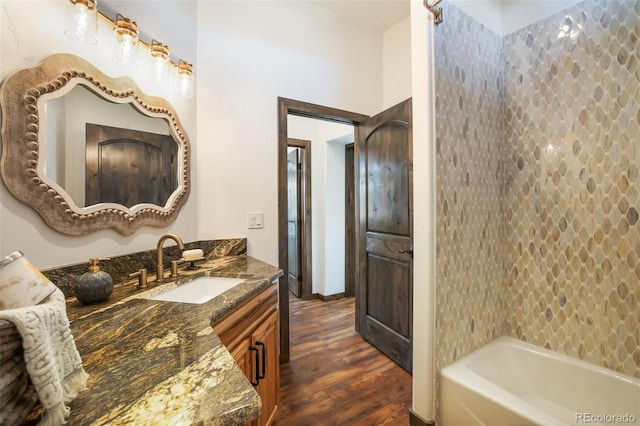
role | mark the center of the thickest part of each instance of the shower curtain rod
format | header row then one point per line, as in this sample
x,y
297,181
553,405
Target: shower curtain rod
x,y
435,11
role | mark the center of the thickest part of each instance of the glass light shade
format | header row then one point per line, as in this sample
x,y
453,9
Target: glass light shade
x,y
160,63
185,79
81,21
126,33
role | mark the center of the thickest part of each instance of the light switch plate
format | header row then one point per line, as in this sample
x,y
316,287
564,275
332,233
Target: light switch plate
x,y
255,220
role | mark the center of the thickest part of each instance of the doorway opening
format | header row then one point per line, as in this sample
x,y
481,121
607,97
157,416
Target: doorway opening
x,y
287,108
299,235
322,246
382,222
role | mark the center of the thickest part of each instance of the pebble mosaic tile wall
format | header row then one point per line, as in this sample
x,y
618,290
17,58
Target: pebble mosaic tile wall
x,y
573,140
538,177
471,226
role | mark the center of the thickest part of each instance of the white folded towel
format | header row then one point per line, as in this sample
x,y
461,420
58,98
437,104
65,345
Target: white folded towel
x,y
51,359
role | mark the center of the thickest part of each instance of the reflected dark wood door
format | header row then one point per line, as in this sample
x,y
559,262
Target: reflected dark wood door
x,y
129,167
385,238
294,188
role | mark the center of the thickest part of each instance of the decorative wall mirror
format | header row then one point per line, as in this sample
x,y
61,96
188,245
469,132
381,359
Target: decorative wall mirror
x,y
71,134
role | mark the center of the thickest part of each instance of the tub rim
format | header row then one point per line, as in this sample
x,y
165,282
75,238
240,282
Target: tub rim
x,y
460,372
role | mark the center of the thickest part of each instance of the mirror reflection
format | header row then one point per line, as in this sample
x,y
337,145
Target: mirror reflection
x,y
88,151
104,152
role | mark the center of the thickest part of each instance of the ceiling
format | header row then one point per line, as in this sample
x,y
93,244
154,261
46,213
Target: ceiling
x,y
379,15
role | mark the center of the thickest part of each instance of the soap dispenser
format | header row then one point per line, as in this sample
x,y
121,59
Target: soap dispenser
x,y
94,286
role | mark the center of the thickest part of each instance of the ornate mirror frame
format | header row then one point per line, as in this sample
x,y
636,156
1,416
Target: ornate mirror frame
x,y
22,161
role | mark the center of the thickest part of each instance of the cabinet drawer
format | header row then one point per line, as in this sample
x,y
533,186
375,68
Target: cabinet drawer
x,y
244,319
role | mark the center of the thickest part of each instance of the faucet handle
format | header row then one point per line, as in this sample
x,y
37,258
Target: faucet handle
x,y
174,266
142,277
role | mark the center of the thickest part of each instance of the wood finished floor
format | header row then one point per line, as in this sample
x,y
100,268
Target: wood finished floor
x,y
334,376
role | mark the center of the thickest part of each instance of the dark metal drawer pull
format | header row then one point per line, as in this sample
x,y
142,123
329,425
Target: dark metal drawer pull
x,y
264,359
257,365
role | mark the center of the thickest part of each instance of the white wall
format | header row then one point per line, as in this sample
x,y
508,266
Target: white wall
x,y
30,31
396,63
249,54
336,137
327,203
423,125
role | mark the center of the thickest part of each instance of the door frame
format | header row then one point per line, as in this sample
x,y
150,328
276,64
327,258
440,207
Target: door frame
x,y
350,263
309,110
306,286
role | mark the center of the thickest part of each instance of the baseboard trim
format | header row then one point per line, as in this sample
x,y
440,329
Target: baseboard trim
x,y
415,420
330,297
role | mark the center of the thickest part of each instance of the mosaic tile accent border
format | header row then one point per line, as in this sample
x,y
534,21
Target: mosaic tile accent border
x,y
573,140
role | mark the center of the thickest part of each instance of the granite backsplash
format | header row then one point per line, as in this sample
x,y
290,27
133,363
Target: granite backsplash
x,y
119,267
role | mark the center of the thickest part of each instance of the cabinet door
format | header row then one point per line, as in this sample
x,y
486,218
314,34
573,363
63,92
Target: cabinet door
x,y
266,339
242,357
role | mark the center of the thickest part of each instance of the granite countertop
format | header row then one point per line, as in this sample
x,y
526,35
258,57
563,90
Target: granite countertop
x,y
154,362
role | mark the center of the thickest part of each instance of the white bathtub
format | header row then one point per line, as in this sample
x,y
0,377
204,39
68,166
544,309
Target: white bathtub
x,y
510,382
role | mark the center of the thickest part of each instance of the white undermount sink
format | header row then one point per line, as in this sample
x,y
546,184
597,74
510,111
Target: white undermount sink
x,y
199,291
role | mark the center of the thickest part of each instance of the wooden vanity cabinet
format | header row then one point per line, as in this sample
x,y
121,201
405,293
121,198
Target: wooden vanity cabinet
x,y
251,334
266,340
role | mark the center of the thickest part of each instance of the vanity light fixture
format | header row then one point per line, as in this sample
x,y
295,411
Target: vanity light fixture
x,y
185,79
160,63
126,32
81,22
82,28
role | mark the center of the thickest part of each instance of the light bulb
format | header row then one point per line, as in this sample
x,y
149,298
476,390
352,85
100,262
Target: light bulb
x,y
126,32
82,22
185,79
159,62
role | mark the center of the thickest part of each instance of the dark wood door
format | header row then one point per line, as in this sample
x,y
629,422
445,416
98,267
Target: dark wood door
x,y
294,187
385,233
129,167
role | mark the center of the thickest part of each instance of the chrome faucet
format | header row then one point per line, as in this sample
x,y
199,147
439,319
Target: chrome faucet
x,y
160,263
